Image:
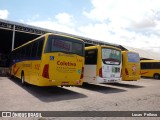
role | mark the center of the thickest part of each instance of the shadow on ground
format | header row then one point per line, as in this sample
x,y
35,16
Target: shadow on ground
x,y
149,78
125,85
101,88
49,94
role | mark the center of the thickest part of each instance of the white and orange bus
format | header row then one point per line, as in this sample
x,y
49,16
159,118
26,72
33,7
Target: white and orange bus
x,y
130,66
49,60
102,64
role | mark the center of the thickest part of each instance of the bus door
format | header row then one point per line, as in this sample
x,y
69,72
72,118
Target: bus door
x,y
90,65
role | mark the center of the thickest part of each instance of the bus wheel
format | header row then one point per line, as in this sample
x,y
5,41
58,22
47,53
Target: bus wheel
x,y
22,79
156,76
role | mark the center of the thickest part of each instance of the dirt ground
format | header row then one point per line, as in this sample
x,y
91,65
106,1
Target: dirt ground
x,y
142,95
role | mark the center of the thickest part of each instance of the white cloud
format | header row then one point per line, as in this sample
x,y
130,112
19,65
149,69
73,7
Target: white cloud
x,y
4,14
63,22
130,10
64,18
124,13
53,26
134,23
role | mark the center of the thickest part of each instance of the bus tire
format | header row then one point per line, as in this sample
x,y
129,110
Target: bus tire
x,y
23,79
156,76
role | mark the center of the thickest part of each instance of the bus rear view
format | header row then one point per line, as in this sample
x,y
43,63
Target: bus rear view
x,y
102,64
130,66
63,61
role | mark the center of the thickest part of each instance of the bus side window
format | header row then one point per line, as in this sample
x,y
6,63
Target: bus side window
x,y
40,47
156,65
91,57
28,52
143,65
34,49
23,52
146,65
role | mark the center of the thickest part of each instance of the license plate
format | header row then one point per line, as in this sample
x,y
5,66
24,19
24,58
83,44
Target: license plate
x,y
65,83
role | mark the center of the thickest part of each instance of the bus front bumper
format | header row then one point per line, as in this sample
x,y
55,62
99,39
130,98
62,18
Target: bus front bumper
x,y
108,80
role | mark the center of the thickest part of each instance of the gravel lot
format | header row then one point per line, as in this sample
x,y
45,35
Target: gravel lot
x,y
142,95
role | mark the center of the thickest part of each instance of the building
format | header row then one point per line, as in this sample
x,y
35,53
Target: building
x,y
14,34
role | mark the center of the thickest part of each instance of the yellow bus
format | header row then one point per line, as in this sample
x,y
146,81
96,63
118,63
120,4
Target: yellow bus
x,y
150,68
49,60
130,66
102,64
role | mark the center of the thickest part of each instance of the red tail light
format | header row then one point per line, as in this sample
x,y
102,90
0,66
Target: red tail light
x,y
82,73
100,72
46,71
126,71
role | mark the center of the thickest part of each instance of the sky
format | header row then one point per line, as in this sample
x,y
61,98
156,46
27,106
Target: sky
x,y
134,23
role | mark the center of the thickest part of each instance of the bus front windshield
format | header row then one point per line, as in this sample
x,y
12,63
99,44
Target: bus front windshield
x,y
111,56
133,57
64,44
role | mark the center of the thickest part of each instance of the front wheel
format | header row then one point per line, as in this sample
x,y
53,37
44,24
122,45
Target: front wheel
x,y
156,76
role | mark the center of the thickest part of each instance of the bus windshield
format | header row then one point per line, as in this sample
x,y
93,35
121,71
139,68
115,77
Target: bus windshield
x,y
133,57
111,56
63,44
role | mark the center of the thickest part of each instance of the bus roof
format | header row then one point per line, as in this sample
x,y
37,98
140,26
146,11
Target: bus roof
x,y
97,46
66,36
129,51
48,34
150,61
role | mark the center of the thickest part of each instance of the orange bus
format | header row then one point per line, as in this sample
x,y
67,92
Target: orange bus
x,y
49,60
130,66
150,68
